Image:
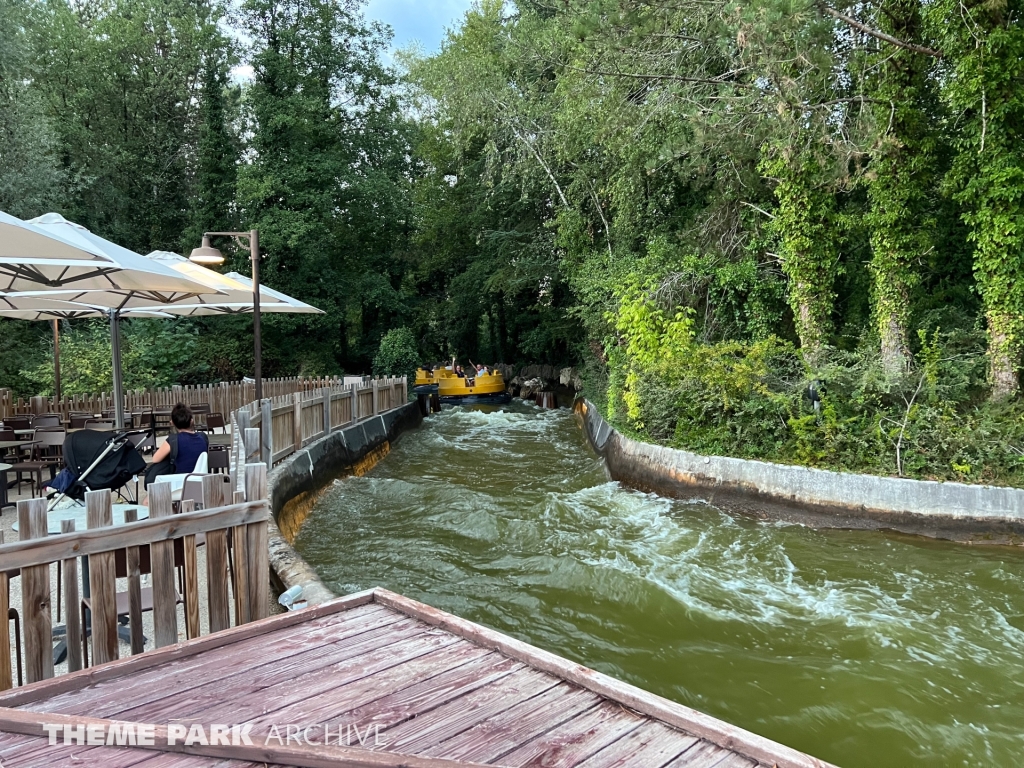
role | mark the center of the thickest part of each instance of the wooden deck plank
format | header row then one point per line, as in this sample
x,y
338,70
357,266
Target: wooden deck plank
x,y
162,657
215,664
188,761
704,754
466,711
338,703
275,686
419,698
577,739
490,739
652,745
36,752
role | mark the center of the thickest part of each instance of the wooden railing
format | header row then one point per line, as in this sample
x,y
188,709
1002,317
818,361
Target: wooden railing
x,y
237,571
222,397
302,417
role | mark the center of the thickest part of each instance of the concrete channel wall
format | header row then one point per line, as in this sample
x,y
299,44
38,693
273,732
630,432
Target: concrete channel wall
x,y
813,497
298,481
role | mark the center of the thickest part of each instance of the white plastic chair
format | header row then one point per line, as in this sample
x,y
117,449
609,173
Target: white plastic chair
x,y
178,481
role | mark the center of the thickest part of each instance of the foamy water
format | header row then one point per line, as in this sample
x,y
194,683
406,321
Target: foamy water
x,y
865,649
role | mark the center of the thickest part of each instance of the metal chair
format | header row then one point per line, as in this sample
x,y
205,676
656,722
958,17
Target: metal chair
x,y
77,420
215,421
18,422
46,420
219,459
47,453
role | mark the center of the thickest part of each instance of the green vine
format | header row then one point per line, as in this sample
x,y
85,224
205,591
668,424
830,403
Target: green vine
x,y
805,224
898,181
986,46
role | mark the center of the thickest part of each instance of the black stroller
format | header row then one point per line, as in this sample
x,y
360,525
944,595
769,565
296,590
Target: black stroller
x,y
96,460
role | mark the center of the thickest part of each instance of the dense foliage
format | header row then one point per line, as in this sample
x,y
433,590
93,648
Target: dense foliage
x,y
735,200
707,205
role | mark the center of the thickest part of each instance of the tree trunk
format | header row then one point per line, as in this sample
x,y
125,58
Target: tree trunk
x,y
1004,357
895,350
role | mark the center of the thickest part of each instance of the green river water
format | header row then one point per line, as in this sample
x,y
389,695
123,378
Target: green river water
x,y
862,648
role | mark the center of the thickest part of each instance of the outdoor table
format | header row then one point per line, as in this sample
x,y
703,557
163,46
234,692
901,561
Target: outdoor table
x,y
6,445
77,513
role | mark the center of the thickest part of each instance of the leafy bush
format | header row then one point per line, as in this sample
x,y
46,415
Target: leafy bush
x,y
398,354
749,400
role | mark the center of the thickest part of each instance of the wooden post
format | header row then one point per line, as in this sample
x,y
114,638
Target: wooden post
x,y
216,560
35,597
259,547
326,392
165,614
134,589
240,558
267,433
252,446
6,676
72,605
191,578
297,420
102,582
376,395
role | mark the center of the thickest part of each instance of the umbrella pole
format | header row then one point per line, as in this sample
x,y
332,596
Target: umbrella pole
x,y
56,365
115,349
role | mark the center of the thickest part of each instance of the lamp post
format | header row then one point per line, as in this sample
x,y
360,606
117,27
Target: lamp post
x,y
207,255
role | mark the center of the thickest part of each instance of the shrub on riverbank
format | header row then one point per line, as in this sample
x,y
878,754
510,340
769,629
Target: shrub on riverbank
x,y
750,400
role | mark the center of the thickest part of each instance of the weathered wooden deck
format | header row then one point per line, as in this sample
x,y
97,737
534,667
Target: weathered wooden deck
x,y
442,691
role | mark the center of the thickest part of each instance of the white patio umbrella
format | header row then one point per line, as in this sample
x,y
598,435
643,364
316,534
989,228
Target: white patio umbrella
x,y
31,256
235,298
39,307
124,277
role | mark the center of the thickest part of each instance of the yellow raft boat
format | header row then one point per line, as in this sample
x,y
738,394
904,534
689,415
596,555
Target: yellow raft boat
x,y
473,390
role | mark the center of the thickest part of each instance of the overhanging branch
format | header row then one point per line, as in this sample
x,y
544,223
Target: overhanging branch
x,y
878,34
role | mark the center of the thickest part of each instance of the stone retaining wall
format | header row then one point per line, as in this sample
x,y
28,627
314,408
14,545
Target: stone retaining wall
x,y
297,483
813,497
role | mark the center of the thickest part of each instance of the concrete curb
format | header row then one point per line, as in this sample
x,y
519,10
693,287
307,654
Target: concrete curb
x,y
296,484
816,497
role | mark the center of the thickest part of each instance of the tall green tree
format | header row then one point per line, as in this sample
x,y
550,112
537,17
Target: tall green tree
x,y
216,163
327,183
122,79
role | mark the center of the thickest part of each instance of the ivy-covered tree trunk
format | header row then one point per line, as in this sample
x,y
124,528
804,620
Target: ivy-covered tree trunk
x,y
805,225
986,48
898,182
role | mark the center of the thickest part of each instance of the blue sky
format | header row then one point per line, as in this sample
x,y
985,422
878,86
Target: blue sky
x,y
423,21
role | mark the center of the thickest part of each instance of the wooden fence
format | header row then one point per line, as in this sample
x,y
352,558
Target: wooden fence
x,y
302,417
222,397
237,571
